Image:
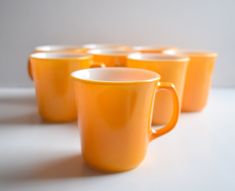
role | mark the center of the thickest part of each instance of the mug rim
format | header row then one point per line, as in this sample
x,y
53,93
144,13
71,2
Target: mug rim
x,y
153,47
191,52
59,56
77,75
92,46
153,57
110,52
48,48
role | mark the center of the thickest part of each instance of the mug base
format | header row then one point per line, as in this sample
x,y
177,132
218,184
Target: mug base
x,y
109,170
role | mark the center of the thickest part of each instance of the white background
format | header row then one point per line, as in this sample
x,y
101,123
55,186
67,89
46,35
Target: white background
x,y
200,24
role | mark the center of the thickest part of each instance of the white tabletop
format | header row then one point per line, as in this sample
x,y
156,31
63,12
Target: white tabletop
x,y
199,155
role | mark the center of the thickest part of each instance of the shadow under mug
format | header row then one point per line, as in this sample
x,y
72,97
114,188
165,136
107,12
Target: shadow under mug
x,y
115,113
53,84
75,49
172,69
198,78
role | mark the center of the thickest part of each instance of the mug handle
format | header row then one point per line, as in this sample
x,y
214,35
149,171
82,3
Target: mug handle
x,y
29,68
170,87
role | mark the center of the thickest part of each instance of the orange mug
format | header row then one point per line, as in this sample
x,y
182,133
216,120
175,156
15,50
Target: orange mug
x,y
110,57
172,69
115,113
198,78
76,49
153,49
53,84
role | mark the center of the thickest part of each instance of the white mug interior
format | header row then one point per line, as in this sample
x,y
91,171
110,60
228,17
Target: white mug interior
x,y
116,75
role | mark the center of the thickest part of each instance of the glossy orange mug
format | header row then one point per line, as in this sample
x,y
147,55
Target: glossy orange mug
x,y
172,69
198,78
53,84
76,49
110,57
115,113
